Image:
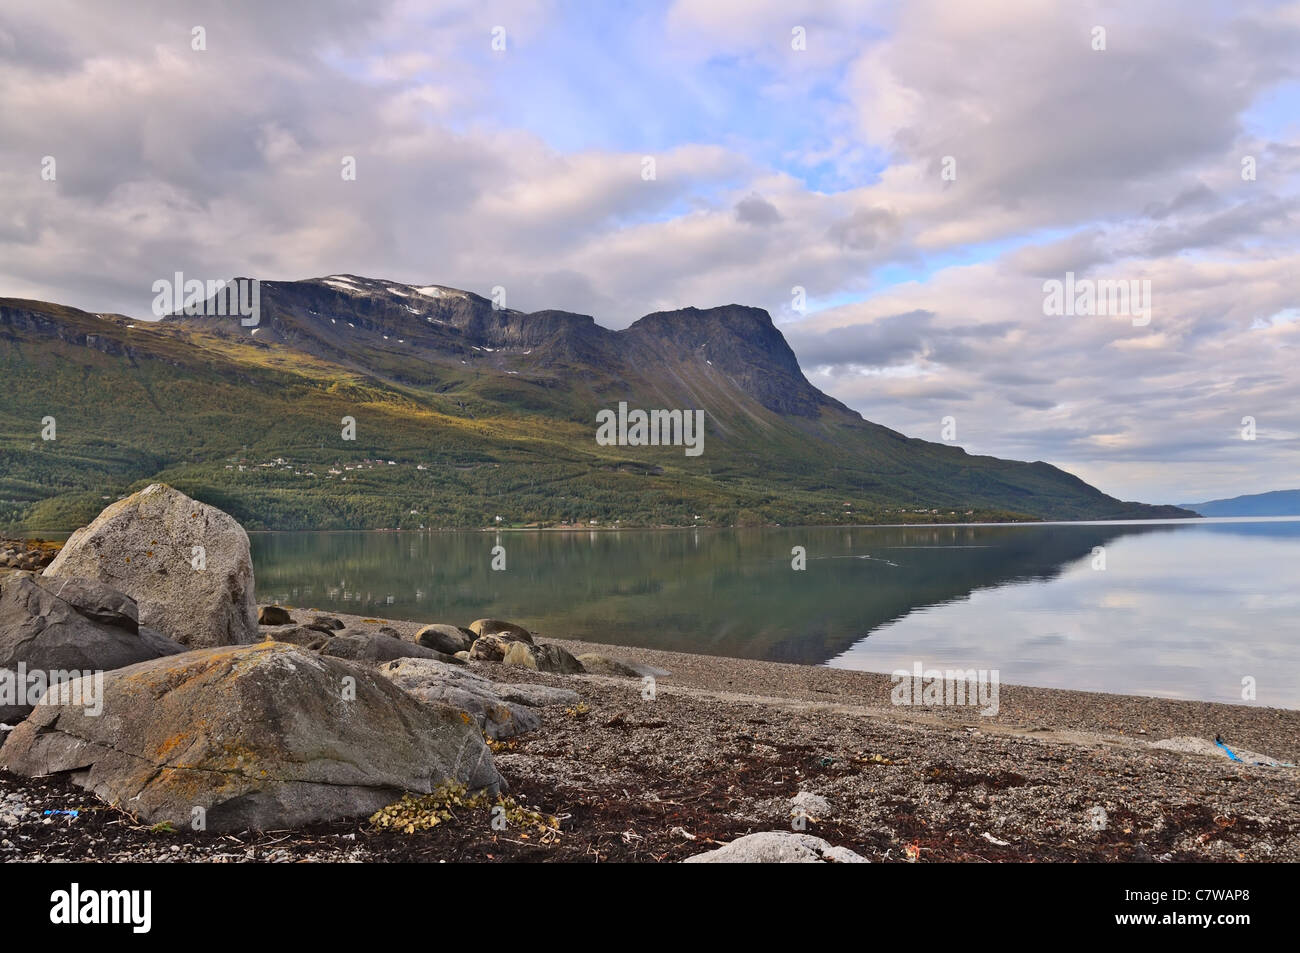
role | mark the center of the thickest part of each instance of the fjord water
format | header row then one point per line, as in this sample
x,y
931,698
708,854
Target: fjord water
x,y
1182,609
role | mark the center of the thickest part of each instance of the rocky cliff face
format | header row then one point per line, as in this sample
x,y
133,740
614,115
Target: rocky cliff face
x,y
344,318
45,321
739,342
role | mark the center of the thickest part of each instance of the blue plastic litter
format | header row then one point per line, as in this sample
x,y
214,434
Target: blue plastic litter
x,y
72,813
1219,741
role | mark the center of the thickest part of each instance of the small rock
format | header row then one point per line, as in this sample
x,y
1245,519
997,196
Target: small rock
x,y
273,615
497,627
778,847
810,805
491,648
361,646
292,634
501,710
445,638
542,658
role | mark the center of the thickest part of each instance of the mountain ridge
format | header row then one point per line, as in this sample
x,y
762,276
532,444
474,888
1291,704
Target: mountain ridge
x,y
492,409
1270,503
384,306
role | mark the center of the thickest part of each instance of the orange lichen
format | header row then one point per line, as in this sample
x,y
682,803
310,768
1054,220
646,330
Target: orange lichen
x,y
169,743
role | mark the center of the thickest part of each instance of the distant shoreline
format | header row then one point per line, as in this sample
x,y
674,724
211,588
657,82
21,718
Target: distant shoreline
x,y
1179,521
54,535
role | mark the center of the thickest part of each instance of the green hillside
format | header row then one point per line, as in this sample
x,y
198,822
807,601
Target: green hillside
x,y
453,433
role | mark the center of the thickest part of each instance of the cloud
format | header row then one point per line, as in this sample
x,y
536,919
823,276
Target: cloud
x,y
776,168
753,209
865,229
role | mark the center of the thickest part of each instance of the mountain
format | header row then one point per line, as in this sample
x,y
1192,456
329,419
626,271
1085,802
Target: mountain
x,y
1274,503
462,414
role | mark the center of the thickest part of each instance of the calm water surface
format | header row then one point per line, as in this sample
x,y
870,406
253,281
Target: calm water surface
x,y
1182,609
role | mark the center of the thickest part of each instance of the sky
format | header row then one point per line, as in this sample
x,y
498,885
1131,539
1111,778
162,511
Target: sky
x,y
897,183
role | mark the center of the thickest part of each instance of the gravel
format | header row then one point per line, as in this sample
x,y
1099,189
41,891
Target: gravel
x,y
722,748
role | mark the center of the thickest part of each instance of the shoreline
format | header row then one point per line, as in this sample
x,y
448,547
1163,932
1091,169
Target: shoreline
x,y
724,745
1143,718
873,687
20,533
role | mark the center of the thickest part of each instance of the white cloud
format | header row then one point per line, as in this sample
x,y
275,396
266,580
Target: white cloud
x,y
1121,163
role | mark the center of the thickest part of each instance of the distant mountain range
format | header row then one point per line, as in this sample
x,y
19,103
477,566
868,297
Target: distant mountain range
x,y
463,414
1274,503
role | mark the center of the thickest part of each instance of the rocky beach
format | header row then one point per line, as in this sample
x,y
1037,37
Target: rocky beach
x,y
230,731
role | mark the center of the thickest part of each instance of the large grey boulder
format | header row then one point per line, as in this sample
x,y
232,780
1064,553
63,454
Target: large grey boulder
x,y
149,545
500,710
264,736
778,847
67,625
